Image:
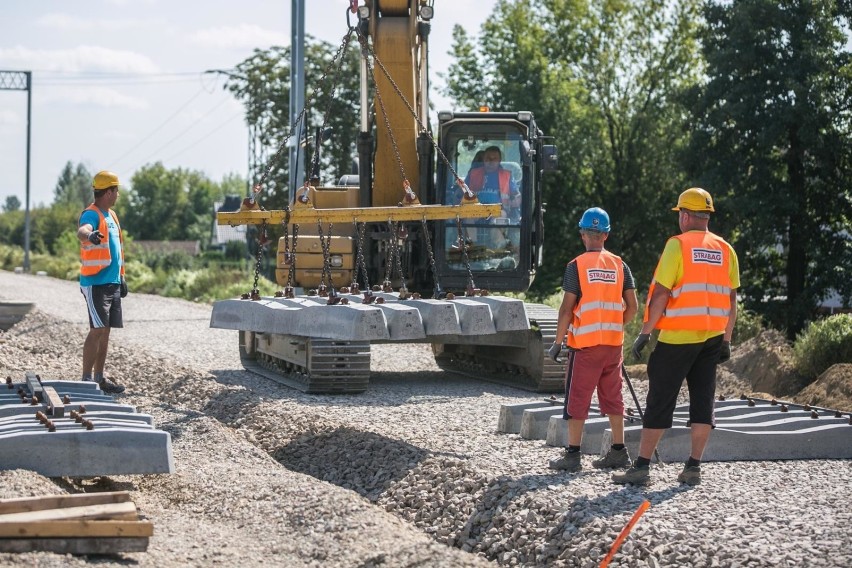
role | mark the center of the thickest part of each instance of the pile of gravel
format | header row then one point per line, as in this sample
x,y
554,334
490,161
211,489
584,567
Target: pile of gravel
x,y
410,473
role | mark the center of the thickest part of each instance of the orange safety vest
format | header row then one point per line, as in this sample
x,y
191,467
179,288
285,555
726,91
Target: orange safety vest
x,y
701,301
94,258
599,315
477,181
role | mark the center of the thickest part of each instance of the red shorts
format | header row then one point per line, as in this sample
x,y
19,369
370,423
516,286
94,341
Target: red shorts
x,y
597,367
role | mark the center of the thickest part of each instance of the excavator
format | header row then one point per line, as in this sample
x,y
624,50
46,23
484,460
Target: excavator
x,y
414,247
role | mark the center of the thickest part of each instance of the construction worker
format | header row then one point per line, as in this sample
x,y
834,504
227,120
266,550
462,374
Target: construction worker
x,y
599,299
693,302
101,276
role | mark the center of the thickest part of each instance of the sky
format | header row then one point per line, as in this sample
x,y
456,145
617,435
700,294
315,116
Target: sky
x,y
118,84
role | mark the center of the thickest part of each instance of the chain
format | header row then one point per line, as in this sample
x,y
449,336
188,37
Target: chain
x,y
397,258
365,45
463,245
325,244
261,241
346,39
360,262
436,293
310,100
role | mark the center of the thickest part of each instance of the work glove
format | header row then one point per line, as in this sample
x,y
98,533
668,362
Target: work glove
x,y
95,237
123,287
725,353
554,352
640,343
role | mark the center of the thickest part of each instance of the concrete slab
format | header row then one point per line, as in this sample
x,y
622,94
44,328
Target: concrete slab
x,y
88,453
474,317
534,422
824,441
26,409
508,314
593,432
509,421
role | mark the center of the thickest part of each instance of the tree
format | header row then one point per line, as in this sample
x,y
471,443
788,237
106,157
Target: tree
x,y
12,204
772,135
603,77
74,187
170,205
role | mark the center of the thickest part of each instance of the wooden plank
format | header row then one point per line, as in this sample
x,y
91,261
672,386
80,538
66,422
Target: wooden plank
x,y
126,511
76,528
74,545
34,386
24,504
55,406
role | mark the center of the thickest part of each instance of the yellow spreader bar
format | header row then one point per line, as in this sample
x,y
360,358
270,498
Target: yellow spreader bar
x,y
303,215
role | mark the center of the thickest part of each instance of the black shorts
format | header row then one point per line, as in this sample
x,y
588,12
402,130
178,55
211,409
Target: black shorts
x,y
668,365
104,305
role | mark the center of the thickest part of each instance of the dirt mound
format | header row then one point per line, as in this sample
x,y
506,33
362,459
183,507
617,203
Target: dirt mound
x,y
766,363
833,389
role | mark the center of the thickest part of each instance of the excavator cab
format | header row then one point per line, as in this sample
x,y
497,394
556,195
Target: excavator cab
x,y
498,156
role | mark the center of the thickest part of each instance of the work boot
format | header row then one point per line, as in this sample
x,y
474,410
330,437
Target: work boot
x,y
691,475
109,386
637,475
613,458
570,462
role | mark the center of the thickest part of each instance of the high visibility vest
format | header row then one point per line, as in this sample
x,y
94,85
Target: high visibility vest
x,y
94,258
599,315
701,301
504,177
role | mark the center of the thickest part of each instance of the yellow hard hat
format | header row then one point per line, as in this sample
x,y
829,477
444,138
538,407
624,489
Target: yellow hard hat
x,y
695,199
104,180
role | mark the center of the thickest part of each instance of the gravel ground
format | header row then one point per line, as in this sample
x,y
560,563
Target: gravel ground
x,y
410,473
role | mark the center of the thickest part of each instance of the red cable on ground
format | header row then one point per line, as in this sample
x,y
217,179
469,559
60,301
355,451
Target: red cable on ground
x,y
624,532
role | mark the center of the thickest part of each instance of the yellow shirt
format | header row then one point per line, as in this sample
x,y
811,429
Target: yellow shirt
x,y
669,272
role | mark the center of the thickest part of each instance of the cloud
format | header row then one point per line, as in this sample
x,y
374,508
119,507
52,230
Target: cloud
x,y
9,117
95,96
238,36
80,59
67,22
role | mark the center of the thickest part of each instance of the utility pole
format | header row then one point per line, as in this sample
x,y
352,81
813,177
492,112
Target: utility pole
x,y
23,81
297,92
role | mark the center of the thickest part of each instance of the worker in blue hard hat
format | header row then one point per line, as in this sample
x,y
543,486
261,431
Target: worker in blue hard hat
x,y
599,299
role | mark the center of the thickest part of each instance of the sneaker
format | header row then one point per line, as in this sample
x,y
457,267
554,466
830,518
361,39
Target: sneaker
x,y
637,475
691,475
109,386
569,462
613,458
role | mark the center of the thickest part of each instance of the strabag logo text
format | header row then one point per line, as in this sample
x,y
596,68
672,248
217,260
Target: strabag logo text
x,y
707,256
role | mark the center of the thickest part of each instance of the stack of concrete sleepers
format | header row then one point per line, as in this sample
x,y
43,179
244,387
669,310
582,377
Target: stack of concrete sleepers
x,y
72,429
409,320
746,429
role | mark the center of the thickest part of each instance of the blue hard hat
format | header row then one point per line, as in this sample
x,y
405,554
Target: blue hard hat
x,y
595,219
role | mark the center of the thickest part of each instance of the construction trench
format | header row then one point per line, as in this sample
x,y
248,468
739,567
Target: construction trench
x,y
421,446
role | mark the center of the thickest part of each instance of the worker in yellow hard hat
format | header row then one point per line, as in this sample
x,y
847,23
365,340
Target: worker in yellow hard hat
x,y
102,279
693,302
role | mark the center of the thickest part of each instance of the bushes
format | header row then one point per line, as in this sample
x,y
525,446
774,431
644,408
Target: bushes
x,y
824,343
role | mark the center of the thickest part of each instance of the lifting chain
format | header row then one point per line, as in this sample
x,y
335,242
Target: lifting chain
x,y
262,240
397,233
437,292
471,287
468,194
289,255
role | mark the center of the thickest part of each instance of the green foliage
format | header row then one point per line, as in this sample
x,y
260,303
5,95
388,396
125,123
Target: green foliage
x,y
604,79
11,256
74,187
749,324
772,140
823,343
12,203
